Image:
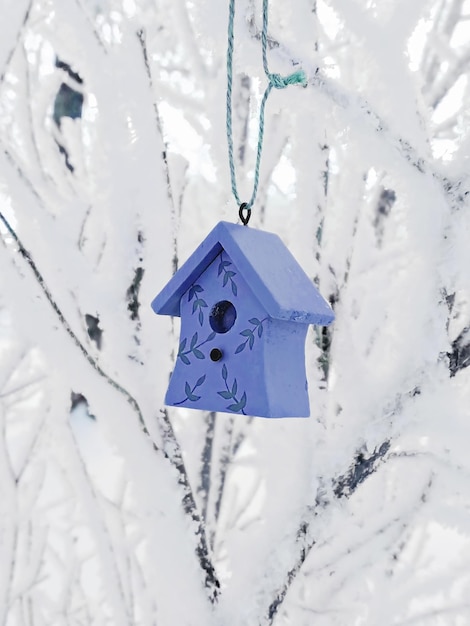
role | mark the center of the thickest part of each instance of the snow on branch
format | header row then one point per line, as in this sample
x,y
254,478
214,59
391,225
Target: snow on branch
x,y
172,451
50,298
343,486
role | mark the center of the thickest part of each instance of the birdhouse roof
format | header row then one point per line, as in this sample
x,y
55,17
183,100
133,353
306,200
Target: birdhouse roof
x,y
267,266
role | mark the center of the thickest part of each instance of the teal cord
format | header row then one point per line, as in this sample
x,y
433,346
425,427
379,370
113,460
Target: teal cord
x,y
274,80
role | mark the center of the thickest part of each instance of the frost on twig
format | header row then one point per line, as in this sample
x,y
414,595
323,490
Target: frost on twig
x,y
304,543
174,454
171,450
50,298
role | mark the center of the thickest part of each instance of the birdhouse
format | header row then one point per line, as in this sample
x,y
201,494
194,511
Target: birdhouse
x,y
245,306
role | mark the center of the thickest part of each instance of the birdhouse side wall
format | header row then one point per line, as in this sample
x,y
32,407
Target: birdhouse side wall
x,y
284,371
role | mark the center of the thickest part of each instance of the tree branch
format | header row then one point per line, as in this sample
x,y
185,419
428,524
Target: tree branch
x,y
46,291
343,486
206,464
172,451
455,192
166,168
17,40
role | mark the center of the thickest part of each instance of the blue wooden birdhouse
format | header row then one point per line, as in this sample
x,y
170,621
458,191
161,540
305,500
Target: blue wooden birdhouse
x,y
245,306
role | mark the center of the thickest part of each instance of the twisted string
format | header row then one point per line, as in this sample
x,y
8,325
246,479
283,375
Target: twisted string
x,y
275,81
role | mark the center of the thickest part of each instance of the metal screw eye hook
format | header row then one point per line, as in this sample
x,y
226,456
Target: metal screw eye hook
x,y
244,218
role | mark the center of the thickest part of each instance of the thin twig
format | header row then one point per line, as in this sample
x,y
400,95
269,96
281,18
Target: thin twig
x,y
175,457
304,545
91,500
172,448
92,26
158,122
456,192
46,291
206,464
173,451
344,486
17,41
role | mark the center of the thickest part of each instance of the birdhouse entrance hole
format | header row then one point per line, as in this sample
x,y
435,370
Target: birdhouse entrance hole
x,y
222,316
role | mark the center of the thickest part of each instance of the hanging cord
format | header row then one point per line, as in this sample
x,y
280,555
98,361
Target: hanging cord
x,y
274,80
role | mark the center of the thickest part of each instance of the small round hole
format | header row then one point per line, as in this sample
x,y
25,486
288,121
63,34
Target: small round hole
x,y
222,316
216,354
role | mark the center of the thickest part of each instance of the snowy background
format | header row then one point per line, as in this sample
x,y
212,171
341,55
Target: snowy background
x,y
116,511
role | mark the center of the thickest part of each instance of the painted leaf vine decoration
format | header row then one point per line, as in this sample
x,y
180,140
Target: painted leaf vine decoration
x,y
249,333
189,391
230,393
199,303
228,274
193,348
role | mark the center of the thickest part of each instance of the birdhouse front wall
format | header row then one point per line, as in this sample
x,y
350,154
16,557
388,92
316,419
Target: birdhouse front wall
x,y
220,360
